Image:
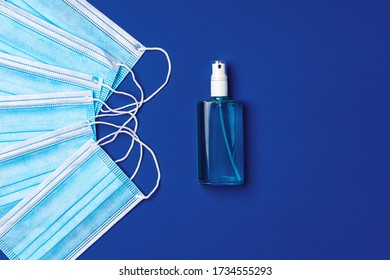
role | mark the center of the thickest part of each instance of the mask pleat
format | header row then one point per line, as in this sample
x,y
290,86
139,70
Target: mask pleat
x,y
83,205
99,215
51,45
38,219
25,6
91,226
89,24
15,198
27,116
65,220
19,76
12,191
20,175
4,209
7,48
76,215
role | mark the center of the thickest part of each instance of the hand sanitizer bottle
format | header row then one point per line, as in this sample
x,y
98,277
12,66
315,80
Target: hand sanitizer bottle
x,y
220,134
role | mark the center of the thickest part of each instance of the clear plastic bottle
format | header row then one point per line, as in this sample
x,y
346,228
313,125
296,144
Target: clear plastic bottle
x,y
220,134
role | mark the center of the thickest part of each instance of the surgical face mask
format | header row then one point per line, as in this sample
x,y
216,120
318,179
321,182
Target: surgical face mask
x,y
25,116
47,43
25,165
83,20
77,203
80,201
20,76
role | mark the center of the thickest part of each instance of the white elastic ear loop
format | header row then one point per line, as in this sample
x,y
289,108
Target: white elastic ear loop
x,y
114,134
143,101
123,126
115,112
142,144
136,103
124,129
168,73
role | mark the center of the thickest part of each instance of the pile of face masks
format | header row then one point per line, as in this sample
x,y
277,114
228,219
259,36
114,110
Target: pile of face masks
x,y
59,191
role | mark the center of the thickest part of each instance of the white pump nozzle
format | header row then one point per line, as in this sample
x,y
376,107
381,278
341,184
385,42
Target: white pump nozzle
x,y
219,85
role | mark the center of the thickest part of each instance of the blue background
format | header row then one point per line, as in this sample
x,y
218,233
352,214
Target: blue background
x,y
315,80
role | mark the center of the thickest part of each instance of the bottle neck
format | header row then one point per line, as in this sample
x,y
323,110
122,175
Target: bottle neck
x,y
219,98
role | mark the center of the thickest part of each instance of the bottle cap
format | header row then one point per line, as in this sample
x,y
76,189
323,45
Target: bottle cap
x,y
219,78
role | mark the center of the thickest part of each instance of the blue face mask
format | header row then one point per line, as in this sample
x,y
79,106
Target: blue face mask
x,y
5,48
21,76
71,209
83,20
25,165
25,116
47,43
87,194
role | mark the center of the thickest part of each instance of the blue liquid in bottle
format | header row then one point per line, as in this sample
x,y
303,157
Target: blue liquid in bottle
x,y
220,135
